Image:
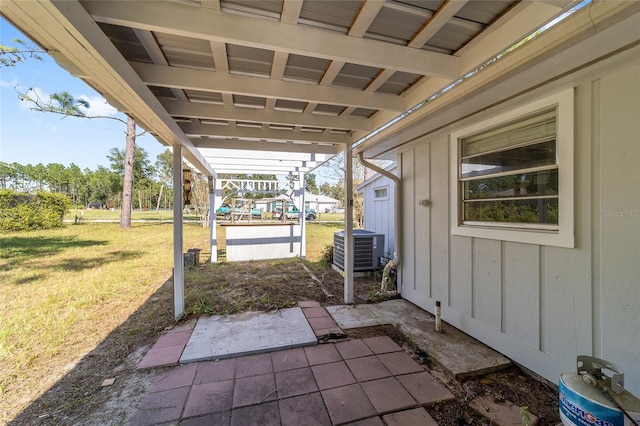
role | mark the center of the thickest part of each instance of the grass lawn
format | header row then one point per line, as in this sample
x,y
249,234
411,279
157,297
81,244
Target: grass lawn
x,y
94,291
64,290
96,214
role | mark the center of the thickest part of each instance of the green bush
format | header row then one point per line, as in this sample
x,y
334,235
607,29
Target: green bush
x,y
21,212
327,254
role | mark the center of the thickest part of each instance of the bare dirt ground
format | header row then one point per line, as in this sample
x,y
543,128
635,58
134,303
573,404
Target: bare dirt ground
x,y
79,398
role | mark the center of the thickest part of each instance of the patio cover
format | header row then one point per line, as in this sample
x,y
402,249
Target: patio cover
x,y
278,86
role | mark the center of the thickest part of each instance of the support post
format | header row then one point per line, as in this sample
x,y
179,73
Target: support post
x,y
302,217
178,260
213,243
348,224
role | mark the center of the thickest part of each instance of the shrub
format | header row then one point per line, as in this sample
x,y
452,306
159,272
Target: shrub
x,y
327,254
21,212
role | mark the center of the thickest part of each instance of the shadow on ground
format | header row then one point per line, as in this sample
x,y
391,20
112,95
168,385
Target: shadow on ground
x,y
79,392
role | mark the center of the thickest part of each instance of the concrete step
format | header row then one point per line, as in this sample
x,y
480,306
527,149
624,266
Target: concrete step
x,y
462,355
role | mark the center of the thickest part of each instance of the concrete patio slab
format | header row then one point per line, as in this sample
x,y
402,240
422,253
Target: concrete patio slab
x,y
456,351
252,332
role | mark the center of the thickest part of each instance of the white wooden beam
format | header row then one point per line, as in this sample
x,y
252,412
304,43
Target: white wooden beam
x,y
218,112
196,129
279,64
250,169
380,79
150,45
291,11
436,22
183,20
219,53
203,80
331,73
211,4
276,147
235,151
366,15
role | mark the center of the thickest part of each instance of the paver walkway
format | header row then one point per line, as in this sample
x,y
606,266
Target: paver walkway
x,y
368,381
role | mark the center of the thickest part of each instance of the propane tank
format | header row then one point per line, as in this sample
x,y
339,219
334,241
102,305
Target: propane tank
x,y
592,398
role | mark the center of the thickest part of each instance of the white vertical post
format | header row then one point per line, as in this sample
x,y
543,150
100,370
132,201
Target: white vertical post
x,y
348,224
213,242
303,218
178,260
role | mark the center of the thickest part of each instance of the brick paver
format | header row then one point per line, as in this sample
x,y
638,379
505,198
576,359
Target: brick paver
x,y
387,395
295,382
218,419
322,354
160,407
400,363
253,365
265,414
358,382
367,368
347,403
178,377
332,375
289,359
308,410
209,398
254,390
322,322
215,371
424,388
500,413
353,349
315,312
381,344
309,304
414,417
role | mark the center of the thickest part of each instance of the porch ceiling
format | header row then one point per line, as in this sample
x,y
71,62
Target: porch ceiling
x,y
275,86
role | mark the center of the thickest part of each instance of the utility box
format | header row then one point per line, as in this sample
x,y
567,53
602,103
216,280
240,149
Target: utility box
x,y
368,248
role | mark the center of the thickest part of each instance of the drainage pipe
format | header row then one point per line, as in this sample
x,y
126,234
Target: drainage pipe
x,y
396,223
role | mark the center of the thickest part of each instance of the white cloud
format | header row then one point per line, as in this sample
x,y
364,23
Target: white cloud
x,y
10,84
98,106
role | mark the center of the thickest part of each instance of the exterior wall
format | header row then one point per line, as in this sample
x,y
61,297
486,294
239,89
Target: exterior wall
x,y
541,305
379,214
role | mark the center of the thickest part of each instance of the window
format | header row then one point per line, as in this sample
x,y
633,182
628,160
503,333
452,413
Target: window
x,y
514,175
380,193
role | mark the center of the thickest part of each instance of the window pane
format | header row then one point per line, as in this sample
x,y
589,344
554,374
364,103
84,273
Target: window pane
x,y
381,193
540,211
533,184
540,154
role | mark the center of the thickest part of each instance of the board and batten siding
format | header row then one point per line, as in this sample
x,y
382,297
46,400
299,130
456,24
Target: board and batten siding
x,y
379,214
541,305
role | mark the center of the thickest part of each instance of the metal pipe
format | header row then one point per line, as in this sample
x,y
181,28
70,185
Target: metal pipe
x,y
396,223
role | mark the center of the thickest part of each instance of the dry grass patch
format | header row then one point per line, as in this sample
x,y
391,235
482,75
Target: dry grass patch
x,y
67,291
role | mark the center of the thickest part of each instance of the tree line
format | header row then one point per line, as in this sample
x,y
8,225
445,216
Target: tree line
x,y
102,186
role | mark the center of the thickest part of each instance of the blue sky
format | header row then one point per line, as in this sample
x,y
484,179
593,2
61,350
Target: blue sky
x,y
31,137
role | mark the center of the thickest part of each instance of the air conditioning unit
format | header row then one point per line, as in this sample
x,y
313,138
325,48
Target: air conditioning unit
x,y
368,248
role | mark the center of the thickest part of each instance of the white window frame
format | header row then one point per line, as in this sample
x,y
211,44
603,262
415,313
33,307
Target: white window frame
x,y
563,236
386,197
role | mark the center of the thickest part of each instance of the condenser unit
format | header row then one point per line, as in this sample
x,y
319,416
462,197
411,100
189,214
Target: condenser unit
x,y
368,248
